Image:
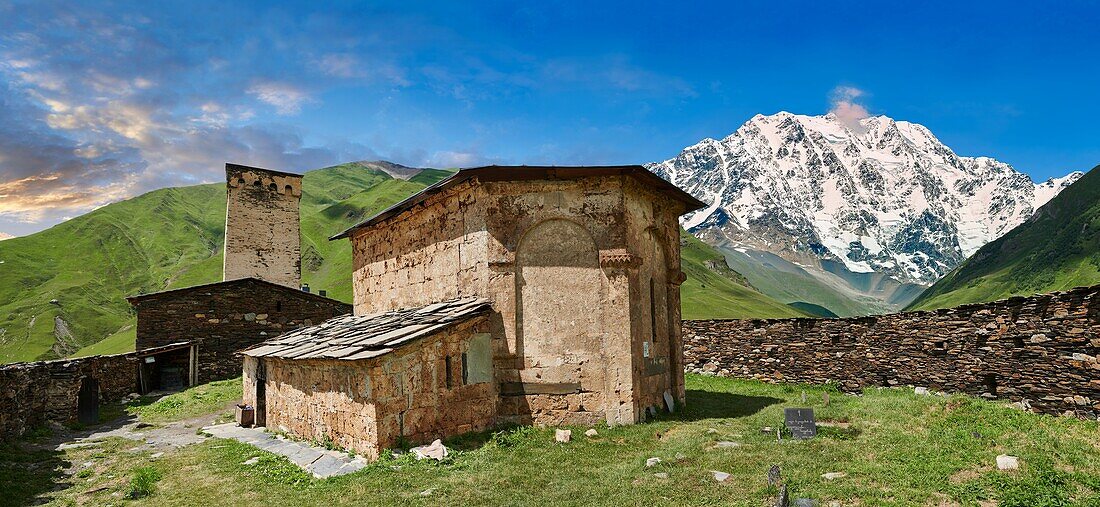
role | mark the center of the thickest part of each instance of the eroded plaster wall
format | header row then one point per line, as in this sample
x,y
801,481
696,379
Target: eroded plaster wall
x,y
658,346
560,261
373,404
433,253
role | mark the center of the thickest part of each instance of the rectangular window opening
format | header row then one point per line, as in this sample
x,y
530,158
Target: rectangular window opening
x,y
990,381
652,312
465,370
448,374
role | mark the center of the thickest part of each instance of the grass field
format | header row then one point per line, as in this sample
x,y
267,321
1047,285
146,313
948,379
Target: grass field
x,y
898,449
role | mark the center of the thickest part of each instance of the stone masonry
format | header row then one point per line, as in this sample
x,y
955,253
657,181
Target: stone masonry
x,y
582,267
33,393
1040,350
418,392
262,237
226,317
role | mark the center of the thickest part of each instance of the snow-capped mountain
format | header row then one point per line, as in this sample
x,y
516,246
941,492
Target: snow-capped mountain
x,y
883,196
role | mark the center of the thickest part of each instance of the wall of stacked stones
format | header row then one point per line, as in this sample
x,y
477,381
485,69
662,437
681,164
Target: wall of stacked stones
x,y
1040,350
31,394
224,318
262,238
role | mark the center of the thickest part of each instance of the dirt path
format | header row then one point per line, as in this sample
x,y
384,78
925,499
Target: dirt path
x,y
158,437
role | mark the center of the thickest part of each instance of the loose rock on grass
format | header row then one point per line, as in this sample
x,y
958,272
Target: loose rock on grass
x,y
1006,462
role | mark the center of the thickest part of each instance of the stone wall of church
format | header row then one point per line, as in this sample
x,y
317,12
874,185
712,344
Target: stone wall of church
x,y
1040,351
435,387
568,264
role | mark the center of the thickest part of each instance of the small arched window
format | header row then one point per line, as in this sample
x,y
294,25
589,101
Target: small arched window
x,y
273,187
289,190
240,182
256,183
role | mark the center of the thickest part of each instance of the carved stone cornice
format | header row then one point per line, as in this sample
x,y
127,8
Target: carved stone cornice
x,y
619,258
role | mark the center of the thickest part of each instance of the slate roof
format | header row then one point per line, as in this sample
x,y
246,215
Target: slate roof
x,y
214,286
354,337
525,172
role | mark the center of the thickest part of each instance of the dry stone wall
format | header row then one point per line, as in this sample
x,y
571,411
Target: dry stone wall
x,y
32,394
224,318
1040,351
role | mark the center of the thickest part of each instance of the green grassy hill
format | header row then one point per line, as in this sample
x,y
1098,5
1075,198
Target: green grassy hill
x,y
161,240
714,291
1057,249
172,238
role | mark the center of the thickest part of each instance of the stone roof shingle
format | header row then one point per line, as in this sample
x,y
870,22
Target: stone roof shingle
x,y
354,337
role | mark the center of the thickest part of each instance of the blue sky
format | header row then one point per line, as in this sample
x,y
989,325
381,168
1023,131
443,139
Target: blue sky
x,y
99,102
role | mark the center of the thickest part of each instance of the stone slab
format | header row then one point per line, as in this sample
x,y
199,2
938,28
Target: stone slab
x,y
320,462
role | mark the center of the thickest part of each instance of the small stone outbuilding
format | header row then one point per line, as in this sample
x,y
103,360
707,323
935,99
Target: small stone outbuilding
x,y
194,335
580,267
367,382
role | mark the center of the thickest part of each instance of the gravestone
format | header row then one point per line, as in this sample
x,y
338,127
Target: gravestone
x,y
800,422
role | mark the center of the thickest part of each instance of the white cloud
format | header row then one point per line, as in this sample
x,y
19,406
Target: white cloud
x,y
4,236
845,106
286,98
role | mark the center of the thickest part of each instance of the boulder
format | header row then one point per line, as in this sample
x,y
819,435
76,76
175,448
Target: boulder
x,y
563,436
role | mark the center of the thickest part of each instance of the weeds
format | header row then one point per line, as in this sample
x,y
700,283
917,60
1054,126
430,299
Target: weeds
x,y
144,482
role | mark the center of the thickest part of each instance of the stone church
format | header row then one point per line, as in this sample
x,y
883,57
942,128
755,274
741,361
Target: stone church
x,y
545,295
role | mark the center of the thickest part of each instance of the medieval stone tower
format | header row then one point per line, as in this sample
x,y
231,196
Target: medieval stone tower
x,y
261,225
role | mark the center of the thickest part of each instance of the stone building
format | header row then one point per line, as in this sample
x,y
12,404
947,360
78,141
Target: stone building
x,y
262,238
580,270
192,335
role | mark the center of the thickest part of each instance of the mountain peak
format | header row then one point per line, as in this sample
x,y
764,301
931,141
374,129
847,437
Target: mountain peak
x,y
887,198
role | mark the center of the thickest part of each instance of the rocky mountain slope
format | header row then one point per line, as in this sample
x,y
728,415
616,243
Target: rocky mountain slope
x,y
856,218
1058,248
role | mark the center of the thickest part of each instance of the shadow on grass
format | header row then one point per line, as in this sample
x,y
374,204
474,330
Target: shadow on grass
x,y
700,405
28,472
711,405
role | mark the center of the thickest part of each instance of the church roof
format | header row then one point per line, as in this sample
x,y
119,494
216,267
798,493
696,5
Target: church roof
x,y
354,337
524,172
